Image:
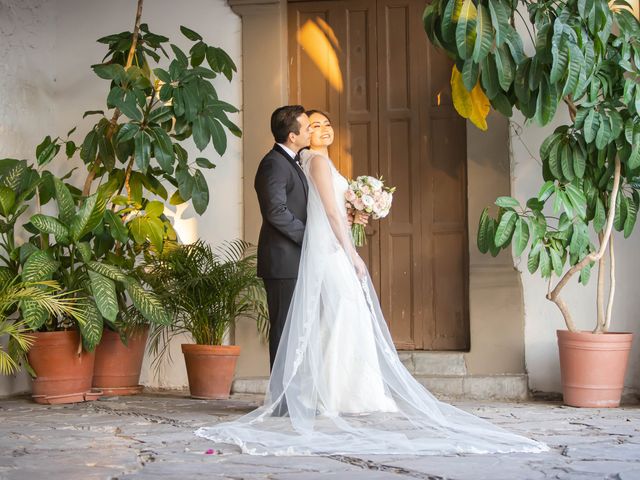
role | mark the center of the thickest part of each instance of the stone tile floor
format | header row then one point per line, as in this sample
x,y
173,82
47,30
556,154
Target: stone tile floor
x,y
151,437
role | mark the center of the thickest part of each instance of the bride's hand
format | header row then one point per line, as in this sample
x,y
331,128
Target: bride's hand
x,y
359,265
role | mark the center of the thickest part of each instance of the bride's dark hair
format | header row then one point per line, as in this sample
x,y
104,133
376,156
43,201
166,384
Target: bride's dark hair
x,y
324,114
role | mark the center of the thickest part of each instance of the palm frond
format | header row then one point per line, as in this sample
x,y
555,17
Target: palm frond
x,y
205,291
46,294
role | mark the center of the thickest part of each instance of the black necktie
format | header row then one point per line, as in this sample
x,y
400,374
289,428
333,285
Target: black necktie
x,y
297,159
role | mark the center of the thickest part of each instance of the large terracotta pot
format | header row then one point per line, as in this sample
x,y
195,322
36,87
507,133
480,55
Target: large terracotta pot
x,y
210,369
63,374
117,367
593,367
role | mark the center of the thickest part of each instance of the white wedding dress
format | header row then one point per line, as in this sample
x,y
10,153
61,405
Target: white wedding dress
x,y
337,385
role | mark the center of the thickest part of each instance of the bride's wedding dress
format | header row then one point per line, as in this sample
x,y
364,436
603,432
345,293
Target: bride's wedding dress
x,y
337,385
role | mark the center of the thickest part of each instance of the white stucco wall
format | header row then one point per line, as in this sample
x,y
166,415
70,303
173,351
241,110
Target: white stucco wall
x,y
46,49
542,318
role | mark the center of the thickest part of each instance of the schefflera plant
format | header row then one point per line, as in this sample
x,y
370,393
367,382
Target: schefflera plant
x,y
96,239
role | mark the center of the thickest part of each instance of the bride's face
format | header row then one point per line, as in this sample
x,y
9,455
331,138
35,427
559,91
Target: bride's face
x,y
321,130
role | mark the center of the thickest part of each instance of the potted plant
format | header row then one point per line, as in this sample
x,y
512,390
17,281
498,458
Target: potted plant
x,y
20,339
161,108
131,151
587,57
205,292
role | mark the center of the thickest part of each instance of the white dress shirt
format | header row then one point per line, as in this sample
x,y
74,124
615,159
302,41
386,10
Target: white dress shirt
x,y
290,152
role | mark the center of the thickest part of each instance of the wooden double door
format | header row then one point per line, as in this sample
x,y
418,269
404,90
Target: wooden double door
x,y
368,64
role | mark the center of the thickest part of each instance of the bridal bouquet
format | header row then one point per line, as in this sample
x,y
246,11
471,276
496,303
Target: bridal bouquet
x,y
367,194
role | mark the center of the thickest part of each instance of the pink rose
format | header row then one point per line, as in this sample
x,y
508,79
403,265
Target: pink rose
x,y
350,195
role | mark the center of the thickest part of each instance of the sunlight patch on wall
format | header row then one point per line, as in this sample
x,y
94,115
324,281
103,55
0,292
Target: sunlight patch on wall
x,y
319,42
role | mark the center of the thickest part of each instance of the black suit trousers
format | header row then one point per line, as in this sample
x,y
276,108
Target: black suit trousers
x,y
279,294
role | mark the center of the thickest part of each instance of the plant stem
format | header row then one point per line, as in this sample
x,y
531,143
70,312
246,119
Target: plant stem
x,y
612,286
116,113
600,294
573,110
592,257
127,177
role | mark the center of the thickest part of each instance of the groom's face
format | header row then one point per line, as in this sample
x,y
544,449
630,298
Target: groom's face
x,y
303,139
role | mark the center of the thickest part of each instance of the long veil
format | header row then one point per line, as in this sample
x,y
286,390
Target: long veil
x,y
297,417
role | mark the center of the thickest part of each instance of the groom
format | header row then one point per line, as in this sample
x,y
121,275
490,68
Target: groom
x,y
282,191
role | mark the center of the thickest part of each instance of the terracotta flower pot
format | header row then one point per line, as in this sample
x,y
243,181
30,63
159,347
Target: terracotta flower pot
x,y
593,367
117,367
210,369
63,374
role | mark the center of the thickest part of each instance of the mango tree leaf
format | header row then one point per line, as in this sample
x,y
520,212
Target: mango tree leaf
x,y
484,33
466,29
546,190
505,228
499,20
556,262
632,213
533,261
620,216
520,236
545,263
585,274
578,199
483,239
507,202
599,218
470,73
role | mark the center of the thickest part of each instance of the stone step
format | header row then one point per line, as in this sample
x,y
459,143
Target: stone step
x,y
434,363
507,387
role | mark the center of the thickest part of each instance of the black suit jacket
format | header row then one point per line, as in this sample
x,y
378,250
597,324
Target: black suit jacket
x,y
282,193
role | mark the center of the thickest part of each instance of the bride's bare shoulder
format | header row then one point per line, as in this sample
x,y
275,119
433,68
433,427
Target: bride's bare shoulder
x,y
314,160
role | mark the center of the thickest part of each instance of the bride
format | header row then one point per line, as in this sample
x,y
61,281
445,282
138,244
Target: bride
x,y
337,385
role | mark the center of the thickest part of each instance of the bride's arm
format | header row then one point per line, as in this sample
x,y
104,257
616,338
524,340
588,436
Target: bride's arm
x,y
323,181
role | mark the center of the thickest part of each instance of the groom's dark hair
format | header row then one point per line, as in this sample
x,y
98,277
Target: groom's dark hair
x,y
284,120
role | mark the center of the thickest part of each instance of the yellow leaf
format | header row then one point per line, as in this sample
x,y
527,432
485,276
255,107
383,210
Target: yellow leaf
x,y
473,105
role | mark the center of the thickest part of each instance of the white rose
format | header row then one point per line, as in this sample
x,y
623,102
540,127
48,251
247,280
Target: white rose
x,y
367,200
375,183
